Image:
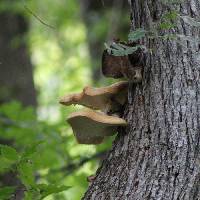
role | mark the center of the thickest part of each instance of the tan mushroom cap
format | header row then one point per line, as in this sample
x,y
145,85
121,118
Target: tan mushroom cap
x,y
98,98
90,127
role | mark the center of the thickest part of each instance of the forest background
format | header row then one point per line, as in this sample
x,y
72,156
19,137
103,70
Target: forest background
x,y
48,49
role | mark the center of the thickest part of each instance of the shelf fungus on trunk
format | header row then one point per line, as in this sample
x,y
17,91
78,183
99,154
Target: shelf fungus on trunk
x,y
107,99
90,127
127,66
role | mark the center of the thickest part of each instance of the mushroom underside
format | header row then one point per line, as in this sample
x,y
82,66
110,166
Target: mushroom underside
x,y
90,127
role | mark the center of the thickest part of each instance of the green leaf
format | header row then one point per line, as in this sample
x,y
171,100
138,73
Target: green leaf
x,y
166,25
127,51
131,50
6,192
32,195
46,190
171,15
26,174
117,46
108,48
9,153
136,35
6,165
33,148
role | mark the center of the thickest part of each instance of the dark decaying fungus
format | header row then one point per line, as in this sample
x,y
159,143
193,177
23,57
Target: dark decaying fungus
x,y
90,127
104,98
128,66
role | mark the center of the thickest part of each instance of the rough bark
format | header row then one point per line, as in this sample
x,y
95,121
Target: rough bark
x,y
158,155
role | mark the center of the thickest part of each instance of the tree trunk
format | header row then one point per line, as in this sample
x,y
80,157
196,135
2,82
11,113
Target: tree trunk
x,y
158,155
16,76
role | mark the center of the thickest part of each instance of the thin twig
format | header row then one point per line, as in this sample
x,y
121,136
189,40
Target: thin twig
x,y
38,18
71,167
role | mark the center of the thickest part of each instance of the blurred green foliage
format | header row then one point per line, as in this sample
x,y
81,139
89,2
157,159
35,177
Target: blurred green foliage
x,y
43,151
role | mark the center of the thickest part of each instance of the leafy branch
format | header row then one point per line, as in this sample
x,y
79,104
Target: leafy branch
x,y
120,49
23,165
167,21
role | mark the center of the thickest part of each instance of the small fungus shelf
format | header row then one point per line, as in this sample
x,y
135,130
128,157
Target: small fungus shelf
x,y
90,127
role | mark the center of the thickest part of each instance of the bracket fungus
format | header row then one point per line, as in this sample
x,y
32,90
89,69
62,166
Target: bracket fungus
x,y
90,127
104,98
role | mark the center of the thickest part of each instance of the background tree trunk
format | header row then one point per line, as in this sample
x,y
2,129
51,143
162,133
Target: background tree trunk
x,y
16,76
94,13
158,155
